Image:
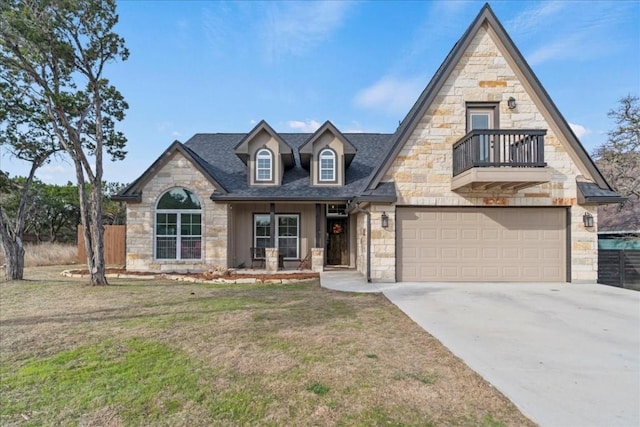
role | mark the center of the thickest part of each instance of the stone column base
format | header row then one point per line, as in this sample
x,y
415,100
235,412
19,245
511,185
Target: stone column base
x,y
271,259
317,259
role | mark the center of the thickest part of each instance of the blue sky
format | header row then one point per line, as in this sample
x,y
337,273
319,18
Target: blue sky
x,y
202,66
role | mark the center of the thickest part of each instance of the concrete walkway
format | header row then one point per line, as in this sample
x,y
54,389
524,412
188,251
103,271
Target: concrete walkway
x,y
347,281
566,355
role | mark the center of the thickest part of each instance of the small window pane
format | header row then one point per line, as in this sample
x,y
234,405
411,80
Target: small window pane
x,y
166,248
190,224
190,248
479,121
166,224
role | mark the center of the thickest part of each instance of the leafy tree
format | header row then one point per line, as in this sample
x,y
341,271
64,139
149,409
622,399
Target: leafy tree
x,y
619,161
53,54
28,135
113,213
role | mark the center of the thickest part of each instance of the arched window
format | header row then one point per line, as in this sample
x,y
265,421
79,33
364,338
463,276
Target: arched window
x,y
327,169
264,165
178,225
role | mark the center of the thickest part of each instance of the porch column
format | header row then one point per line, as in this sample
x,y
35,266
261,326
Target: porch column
x,y
317,259
272,231
271,259
318,225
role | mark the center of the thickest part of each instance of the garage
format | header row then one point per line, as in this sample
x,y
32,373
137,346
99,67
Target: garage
x,y
481,244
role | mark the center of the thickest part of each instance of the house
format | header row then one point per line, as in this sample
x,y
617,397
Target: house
x,y
483,180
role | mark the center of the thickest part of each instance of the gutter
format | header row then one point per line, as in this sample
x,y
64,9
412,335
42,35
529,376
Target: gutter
x,y
356,206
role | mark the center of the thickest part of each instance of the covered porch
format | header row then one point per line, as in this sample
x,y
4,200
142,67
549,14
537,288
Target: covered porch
x,y
277,236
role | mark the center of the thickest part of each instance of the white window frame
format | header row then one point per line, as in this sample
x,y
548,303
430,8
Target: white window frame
x,y
178,234
277,237
264,154
332,169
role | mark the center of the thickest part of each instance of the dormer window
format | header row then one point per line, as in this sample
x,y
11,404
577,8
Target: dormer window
x,y
264,165
327,169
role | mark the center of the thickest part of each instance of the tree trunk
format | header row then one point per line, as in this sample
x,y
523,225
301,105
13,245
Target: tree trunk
x,y
91,232
97,235
13,250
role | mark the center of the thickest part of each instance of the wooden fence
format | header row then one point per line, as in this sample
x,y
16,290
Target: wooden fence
x,y
619,268
114,245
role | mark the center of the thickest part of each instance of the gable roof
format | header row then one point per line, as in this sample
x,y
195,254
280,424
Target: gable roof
x,y
133,192
408,125
306,149
242,149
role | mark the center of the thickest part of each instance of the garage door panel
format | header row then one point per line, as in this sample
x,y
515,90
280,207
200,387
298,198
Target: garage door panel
x,y
481,244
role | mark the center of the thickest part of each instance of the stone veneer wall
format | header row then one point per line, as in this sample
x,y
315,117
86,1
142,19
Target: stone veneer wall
x,y
383,244
177,172
361,243
423,169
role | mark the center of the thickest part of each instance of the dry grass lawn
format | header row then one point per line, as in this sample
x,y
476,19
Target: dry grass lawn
x,y
169,353
46,253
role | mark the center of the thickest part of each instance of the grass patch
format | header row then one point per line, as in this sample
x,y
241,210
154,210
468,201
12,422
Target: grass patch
x,y
167,353
318,388
146,380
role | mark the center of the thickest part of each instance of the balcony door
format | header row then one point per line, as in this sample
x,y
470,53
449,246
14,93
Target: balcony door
x,y
482,118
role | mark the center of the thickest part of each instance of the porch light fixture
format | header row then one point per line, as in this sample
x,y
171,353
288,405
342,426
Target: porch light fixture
x,y
587,219
511,103
385,220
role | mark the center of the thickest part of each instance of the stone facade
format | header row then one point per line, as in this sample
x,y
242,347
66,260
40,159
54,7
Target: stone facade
x,y
361,243
177,171
422,171
383,244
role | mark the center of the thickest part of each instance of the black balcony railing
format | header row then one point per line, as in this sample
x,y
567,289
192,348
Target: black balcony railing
x,y
499,148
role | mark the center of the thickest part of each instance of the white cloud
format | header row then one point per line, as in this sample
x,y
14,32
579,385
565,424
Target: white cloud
x,y
579,130
390,94
307,126
296,27
529,21
587,35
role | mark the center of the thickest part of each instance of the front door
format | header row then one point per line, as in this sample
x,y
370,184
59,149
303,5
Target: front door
x,y
337,242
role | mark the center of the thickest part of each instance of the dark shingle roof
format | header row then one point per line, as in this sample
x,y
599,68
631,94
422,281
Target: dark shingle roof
x,y
217,150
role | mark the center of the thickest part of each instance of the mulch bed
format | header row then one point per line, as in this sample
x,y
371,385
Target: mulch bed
x,y
230,275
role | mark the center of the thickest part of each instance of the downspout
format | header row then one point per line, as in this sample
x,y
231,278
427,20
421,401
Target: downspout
x,y
357,207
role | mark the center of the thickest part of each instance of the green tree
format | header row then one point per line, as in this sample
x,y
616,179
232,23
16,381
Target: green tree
x,y
619,161
53,53
26,132
113,213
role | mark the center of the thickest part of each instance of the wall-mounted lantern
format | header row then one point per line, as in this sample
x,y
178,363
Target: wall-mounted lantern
x,y
587,219
385,220
511,103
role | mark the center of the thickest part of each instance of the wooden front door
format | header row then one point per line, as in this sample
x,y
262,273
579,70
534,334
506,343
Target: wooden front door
x,y
337,242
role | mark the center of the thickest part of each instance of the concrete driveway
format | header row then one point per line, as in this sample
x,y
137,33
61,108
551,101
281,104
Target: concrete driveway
x,y
566,355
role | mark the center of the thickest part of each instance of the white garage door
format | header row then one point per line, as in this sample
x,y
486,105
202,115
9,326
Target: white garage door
x,y
481,244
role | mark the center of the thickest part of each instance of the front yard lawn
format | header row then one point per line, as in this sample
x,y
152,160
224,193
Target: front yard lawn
x,y
181,354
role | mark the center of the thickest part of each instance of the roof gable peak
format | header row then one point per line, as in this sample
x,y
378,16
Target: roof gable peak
x,y
428,95
242,149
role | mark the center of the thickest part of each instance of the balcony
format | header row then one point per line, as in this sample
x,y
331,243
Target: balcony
x,y
499,159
